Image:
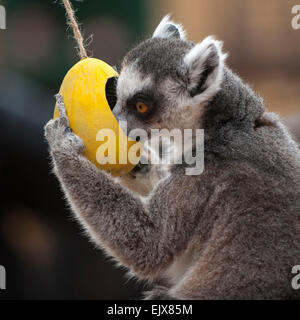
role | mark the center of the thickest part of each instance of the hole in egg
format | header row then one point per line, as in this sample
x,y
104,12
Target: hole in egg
x,y
110,92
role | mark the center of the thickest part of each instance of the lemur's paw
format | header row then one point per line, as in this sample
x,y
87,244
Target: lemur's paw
x,y
59,134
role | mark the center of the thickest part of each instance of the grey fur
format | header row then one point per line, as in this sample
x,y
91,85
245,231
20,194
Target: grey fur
x,y
232,232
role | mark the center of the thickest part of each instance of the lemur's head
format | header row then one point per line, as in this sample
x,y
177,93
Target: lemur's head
x,y
166,80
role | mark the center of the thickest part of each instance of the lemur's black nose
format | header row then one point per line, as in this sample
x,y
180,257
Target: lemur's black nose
x,y
141,168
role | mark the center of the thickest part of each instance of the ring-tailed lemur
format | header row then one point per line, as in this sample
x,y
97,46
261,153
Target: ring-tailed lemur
x,y
232,232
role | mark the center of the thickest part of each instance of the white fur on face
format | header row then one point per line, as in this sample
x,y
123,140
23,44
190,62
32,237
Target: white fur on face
x,y
163,31
130,81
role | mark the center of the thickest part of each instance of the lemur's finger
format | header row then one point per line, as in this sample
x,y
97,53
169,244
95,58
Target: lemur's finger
x,y
60,105
62,110
48,129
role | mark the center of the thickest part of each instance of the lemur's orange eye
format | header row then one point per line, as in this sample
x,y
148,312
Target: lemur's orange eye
x,y
141,107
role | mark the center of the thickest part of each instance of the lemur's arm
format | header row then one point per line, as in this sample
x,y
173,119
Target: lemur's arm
x,y
142,237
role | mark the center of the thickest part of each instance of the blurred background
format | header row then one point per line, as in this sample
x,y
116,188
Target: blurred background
x,y
43,249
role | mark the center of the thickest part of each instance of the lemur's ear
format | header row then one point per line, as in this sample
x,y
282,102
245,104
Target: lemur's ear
x,y
204,64
169,29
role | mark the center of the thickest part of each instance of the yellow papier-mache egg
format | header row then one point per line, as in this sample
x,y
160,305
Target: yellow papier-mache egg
x,y
83,92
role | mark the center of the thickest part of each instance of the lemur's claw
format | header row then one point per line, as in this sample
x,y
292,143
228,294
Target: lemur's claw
x,y
58,97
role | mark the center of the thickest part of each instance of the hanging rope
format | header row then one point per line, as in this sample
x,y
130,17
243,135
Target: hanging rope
x,y
71,20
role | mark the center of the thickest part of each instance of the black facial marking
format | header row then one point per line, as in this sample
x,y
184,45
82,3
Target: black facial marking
x,y
147,98
110,91
141,168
